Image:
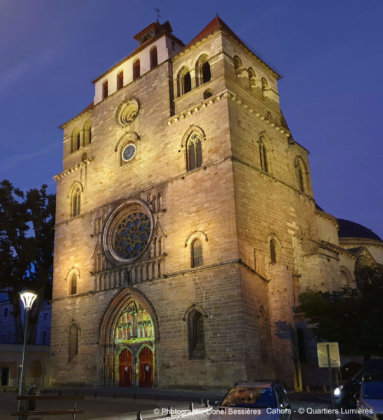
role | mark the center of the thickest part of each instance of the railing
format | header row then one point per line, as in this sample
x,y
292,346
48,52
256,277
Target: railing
x,y
128,274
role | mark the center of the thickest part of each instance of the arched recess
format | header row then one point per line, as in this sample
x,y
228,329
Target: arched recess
x,y
197,234
73,273
263,154
184,84
76,191
190,130
153,57
346,277
195,319
76,140
252,78
73,334
136,69
145,366
301,174
273,249
195,243
112,340
265,86
87,133
128,138
202,70
237,64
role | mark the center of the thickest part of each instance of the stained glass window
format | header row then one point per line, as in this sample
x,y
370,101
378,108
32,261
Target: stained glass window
x,y
131,235
134,325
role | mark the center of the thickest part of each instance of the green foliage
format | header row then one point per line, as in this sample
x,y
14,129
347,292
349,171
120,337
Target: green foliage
x,y
352,318
26,247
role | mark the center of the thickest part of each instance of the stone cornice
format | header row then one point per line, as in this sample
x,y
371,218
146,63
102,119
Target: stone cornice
x,y
337,249
74,168
227,93
328,217
196,108
355,242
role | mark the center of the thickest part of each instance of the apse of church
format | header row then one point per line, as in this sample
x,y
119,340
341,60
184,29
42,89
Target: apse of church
x,y
185,219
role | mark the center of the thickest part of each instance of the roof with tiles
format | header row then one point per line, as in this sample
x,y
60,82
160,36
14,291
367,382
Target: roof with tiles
x,y
218,24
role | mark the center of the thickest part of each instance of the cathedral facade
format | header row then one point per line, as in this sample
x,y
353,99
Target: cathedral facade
x,y
186,226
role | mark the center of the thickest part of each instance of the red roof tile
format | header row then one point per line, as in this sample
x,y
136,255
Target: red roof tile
x,y
215,24
218,24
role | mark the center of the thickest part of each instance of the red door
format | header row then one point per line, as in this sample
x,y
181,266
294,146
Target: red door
x,y
146,368
126,368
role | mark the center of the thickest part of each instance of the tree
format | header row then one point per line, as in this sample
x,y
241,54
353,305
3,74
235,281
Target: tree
x,y
351,317
26,248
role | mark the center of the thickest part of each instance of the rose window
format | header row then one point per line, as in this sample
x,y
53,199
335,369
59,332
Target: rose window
x,y
131,235
128,231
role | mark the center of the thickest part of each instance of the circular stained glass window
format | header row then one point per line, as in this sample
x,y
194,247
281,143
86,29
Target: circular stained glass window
x,y
128,231
131,235
128,152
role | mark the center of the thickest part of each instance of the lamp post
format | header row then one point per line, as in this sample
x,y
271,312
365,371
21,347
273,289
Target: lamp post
x,y
27,298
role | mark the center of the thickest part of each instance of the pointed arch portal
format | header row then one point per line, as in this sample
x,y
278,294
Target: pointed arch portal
x,y
128,333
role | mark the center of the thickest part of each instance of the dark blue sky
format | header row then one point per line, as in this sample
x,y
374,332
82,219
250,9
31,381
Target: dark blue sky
x,y
330,53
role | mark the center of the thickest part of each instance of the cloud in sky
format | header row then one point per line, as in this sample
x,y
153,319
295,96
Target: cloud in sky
x,y
13,74
17,160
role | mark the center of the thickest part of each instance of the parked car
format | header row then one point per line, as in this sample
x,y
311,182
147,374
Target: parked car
x,y
346,395
250,400
371,400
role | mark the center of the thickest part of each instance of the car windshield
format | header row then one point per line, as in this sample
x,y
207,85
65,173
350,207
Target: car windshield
x,y
373,390
249,397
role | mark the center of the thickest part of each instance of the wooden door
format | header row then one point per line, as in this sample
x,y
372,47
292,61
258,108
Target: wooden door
x,y
126,368
146,368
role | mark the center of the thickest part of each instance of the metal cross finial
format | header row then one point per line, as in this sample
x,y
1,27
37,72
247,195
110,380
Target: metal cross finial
x,y
157,10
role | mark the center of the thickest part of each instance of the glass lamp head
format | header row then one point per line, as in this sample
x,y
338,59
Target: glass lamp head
x,y
28,298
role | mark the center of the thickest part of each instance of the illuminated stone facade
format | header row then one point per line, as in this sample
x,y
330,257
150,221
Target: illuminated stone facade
x,y
186,225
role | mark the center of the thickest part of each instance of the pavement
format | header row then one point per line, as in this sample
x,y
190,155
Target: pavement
x,y
120,404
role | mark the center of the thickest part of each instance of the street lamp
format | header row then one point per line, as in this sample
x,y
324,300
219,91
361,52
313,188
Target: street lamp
x,y
27,298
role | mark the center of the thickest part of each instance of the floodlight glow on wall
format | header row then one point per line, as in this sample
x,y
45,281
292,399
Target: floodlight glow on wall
x,y
28,298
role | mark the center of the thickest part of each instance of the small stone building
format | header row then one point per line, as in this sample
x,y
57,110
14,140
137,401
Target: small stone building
x,y
186,226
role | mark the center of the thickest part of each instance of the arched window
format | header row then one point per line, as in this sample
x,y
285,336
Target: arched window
x,y
206,74
73,285
87,133
105,90
193,152
301,174
72,342
263,156
202,70
264,86
273,251
196,253
76,201
136,69
120,80
184,81
76,140
301,185
196,335
153,57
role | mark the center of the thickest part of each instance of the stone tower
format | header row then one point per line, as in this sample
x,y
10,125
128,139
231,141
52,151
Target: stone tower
x,y
185,221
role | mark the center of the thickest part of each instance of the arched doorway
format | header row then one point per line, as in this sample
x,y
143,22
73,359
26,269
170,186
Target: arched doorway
x,y
129,323
146,368
126,368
